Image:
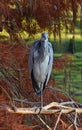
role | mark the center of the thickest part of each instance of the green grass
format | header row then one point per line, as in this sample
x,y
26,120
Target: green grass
x,y
74,81
62,48
79,98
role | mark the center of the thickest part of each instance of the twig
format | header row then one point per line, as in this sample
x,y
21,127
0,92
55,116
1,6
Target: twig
x,y
69,127
7,95
68,103
26,101
75,121
44,122
58,119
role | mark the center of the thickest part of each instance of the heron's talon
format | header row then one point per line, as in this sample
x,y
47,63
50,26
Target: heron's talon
x,y
36,108
13,108
40,109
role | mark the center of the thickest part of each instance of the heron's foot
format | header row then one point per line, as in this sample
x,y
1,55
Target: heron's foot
x,y
13,108
38,109
35,109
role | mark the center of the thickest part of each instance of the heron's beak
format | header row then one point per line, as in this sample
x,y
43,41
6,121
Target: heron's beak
x,y
43,39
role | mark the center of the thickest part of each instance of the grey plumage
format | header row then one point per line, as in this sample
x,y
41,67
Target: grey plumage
x,y
40,63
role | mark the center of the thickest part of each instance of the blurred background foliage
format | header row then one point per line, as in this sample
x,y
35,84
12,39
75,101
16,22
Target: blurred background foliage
x,y
35,16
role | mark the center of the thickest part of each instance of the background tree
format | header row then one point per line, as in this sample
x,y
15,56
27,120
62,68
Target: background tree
x,y
34,16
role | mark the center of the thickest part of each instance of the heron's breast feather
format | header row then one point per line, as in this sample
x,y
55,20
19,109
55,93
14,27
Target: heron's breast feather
x,y
40,69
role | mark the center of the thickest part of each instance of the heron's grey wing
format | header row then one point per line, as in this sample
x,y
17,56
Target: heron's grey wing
x,y
31,65
49,69
31,56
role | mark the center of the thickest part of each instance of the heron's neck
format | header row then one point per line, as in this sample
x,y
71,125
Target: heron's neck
x,y
43,50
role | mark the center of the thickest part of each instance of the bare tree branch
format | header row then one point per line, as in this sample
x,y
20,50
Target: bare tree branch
x,y
46,109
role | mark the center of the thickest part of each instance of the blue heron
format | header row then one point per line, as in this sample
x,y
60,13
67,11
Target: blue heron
x,y
40,64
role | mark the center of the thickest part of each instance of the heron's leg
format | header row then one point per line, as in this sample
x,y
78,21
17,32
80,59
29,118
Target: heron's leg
x,y
41,95
41,99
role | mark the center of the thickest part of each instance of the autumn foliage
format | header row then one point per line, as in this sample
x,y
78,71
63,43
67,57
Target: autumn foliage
x,y
33,16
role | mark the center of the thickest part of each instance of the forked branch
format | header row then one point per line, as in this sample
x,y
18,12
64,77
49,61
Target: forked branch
x,y
51,108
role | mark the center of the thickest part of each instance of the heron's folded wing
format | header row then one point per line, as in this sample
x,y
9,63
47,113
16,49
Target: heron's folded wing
x,y
49,69
31,55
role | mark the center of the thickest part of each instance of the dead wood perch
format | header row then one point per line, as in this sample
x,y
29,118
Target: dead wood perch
x,y
51,108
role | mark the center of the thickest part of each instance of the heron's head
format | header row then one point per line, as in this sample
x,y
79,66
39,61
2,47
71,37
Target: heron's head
x,y
44,37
